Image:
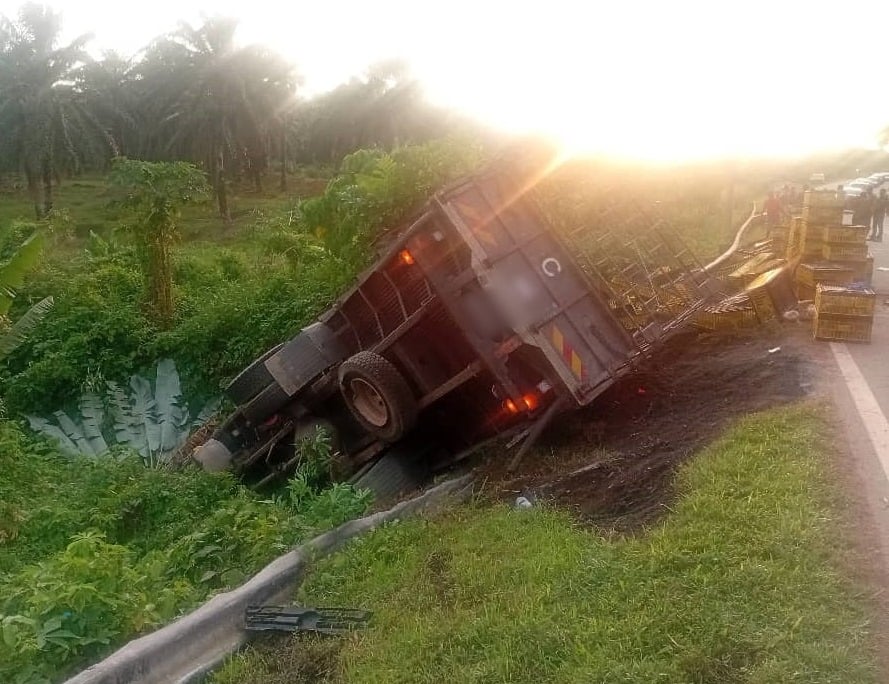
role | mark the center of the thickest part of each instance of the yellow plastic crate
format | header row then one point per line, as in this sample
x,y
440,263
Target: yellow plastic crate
x,y
821,272
823,214
834,251
842,328
822,198
830,299
763,306
811,240
732,313
846,234
794,237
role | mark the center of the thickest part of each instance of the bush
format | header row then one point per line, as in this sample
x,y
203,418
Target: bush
x,y
93,552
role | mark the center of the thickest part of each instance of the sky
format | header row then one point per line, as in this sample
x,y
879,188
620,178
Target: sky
x,y
668,80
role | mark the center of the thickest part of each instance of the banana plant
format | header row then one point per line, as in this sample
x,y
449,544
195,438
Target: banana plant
x,y
12,275
151,420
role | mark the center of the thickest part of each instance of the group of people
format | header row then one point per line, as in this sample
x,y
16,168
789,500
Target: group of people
x,y
869,209
781,205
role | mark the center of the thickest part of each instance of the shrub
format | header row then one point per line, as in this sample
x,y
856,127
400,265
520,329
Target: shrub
x,y
93,552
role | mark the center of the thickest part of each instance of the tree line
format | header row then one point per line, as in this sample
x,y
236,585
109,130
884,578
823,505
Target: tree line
x,y
193,95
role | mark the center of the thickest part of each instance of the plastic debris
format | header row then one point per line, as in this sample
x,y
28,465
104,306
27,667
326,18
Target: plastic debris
x,y
774,350
523,502
792,316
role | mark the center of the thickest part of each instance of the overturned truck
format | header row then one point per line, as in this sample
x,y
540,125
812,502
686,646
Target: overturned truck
x,y
480,320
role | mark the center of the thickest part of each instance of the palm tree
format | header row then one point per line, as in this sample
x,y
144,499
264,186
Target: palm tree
x,y
46,123
110,89
219,101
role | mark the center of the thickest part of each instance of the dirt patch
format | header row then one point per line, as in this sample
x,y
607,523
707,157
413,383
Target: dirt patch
x,y
613,462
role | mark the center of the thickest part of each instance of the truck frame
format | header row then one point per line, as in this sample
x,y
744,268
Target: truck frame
x,y
479,320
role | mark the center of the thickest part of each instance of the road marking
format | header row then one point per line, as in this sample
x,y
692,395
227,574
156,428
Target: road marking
x,y
875,422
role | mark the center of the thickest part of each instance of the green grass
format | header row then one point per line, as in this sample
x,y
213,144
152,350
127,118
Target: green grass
x,y
94,552
742,582
82,205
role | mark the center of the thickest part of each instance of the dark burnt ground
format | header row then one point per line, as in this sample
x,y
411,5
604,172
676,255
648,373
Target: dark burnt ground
x,y
612,463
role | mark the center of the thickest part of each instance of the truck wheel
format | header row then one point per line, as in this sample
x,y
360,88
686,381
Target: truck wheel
x,y
252,380
378,396
393,475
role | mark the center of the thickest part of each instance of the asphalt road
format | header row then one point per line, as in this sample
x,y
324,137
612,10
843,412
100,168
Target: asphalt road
x,y
872,358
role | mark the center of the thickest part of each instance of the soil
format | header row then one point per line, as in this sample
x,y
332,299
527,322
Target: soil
x,y
651,421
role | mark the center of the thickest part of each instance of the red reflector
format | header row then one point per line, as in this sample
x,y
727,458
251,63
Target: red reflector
x,y
510,406
406,257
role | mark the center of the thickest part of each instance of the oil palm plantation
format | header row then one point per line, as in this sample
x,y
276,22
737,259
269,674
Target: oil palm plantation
x,y
47,124
216,102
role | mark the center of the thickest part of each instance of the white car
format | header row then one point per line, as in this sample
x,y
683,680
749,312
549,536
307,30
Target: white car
x,y
861,184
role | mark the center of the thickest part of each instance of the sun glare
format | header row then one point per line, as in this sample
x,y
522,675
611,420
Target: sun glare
x,y
649,80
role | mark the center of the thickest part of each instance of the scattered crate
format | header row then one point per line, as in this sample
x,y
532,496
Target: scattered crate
x,y
732,313
812,274
830,299
763,306
841,328
779,286
755,266
839,233
834,251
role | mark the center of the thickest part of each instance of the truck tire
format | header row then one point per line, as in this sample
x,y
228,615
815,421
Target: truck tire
x,y
378,396
393,475
252,380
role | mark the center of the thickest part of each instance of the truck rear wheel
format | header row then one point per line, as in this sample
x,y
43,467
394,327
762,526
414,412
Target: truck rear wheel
x,y
378,396
252,380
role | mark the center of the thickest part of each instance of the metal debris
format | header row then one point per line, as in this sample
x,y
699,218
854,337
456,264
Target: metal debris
x,y
296,619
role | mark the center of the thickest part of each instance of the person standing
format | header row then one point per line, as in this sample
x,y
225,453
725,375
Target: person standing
x,y
860,205
881,205
869,208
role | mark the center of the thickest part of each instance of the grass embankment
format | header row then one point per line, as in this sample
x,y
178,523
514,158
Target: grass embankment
x,y
740,583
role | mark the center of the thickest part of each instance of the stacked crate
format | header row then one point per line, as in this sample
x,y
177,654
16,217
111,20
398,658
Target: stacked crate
x,y
830,253
820,209
794,238
843,314
779,237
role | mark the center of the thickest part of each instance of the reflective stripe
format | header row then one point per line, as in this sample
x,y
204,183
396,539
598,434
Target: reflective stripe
x,y
572,358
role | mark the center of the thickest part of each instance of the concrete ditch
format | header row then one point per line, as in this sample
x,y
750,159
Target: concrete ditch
x,y
189,648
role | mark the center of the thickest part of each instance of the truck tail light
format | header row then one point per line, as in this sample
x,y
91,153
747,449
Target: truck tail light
x,y
406,257
530,401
